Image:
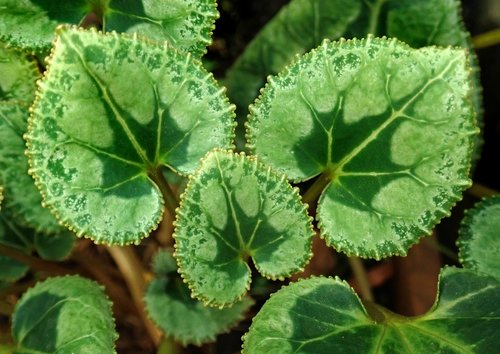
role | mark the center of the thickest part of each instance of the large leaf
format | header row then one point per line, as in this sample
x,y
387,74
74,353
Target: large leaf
x,y
233,209
321,315
187,24
64,315
389,130
479,241
303,24
112,110
171,307
17,76
22,197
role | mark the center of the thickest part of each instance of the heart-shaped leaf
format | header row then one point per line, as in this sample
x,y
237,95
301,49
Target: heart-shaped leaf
x,y
479,241
170,306
111,111
321,315
235,208
22,197
17,76
387,128
187,24
64,315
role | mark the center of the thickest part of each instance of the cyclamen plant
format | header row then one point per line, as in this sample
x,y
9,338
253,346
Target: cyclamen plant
x,y
367,142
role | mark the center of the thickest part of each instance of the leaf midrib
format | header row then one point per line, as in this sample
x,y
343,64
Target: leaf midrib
x,y
111,104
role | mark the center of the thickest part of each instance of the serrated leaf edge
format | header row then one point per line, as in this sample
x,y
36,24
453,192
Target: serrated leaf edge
x,y
185,278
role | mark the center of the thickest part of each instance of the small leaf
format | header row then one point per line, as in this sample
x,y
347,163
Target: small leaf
x,y
64,315
11,270
186,24
479,241
22,197
183,318
17,76
321,315
112,110
235,208
383,124
54,247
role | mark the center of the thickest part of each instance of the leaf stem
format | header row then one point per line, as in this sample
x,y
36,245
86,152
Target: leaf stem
x,y
168,346
361,277
131,269
169,196
487,39
480,191
374,16
312,194
34,262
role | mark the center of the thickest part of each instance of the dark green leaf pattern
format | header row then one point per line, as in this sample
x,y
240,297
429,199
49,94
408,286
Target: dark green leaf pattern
x,y
324,315
111,112
233,209
389,129
64,315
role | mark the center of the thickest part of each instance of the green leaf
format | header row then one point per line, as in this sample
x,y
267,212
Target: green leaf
x,y
321,315
11,270
17,76
303,24
382,124
186,24
235,208
54,247
64,315
22,197
186,320
296,29
30,24
96,145
479,240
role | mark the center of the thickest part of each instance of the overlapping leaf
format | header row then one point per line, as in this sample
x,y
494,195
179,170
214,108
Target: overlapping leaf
x,y
64,315
303,24
186,320
22,197
479,241
234,209
321,315
389,130
188,25
112,110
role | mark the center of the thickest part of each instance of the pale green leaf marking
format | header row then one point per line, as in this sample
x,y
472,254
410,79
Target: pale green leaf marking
x,y
479,241
181,317
391,127
64,315
234,208
22,197
112,110
324,315
17,76
186,24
